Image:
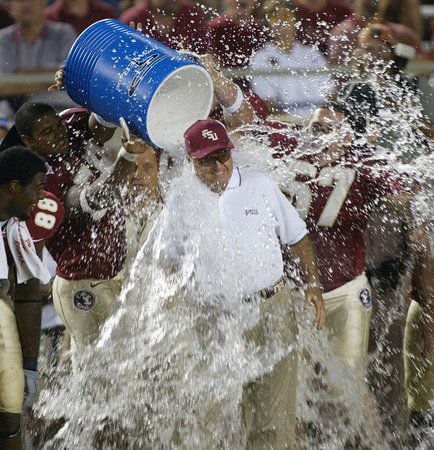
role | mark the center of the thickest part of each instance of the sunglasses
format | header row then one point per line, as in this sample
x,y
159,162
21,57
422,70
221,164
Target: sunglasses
x,y
221,157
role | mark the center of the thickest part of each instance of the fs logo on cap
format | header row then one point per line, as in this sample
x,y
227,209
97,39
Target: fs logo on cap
x,y
210,135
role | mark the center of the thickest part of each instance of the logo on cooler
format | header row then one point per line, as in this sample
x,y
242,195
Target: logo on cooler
x,y
209,135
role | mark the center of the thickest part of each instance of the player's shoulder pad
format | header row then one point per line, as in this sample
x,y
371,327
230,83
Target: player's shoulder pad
x,y
69,113
76,118
46,217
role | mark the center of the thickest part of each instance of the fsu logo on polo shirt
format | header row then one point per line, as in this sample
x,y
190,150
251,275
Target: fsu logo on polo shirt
x,y
84,300
365,298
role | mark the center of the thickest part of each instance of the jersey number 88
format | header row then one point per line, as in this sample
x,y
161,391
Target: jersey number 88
x,y
46,220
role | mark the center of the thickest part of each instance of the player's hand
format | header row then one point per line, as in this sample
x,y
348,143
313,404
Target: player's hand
x,y
134,145
210,65
59,80
31,388
138,27
314,296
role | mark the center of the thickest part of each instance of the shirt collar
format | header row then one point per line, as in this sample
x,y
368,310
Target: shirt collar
x,y
235,179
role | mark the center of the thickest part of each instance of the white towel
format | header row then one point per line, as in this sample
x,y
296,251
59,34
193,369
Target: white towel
x,y
4,269
27,262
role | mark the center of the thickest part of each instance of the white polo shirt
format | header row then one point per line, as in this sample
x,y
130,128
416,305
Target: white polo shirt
x,y
254,210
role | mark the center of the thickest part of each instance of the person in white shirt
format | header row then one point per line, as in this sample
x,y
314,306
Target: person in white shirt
x,y
296,94
252,208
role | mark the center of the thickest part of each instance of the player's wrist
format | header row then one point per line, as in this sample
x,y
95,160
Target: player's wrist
x,y
125,154
236,105
313,285
103,122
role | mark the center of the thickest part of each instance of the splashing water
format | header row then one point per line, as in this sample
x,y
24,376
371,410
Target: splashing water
x,y
169,367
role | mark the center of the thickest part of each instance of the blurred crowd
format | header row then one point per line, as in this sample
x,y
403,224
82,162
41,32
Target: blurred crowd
x,y
304,36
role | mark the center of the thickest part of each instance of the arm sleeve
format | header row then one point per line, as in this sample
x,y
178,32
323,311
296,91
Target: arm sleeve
x,y
291,228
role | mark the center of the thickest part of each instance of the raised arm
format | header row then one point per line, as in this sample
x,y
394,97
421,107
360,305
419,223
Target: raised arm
x,y
237,110
98,195
100,129
293,234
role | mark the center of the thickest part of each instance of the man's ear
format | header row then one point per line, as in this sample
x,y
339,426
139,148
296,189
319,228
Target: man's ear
x,y
14,187
27,140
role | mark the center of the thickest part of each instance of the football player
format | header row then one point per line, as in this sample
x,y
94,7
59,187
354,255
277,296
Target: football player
x,y
335,182
401,376
335,189
22,178
89,247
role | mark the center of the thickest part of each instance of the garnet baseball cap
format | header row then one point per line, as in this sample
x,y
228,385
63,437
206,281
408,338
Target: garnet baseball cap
x,y
205,137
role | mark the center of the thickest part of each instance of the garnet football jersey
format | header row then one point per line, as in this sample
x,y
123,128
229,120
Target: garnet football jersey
x,y
84,247
46,217
336,201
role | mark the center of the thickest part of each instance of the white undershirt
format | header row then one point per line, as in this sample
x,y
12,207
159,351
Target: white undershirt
x,y
4,269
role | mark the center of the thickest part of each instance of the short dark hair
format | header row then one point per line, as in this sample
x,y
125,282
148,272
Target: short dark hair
x,y
28,114
21,164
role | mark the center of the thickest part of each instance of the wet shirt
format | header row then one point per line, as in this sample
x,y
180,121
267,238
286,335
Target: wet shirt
x,y
336,201
46,217
89,246
259,217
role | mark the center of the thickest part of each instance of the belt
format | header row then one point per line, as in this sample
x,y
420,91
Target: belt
x,y
270,291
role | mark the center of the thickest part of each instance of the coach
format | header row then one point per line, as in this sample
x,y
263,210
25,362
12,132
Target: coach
x,y
252,208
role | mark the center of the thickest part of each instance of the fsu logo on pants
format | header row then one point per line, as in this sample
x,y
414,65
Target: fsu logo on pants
x,y
365,298
84,300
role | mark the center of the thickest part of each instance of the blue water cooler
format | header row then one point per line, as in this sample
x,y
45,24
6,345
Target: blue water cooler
x,y
117,71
